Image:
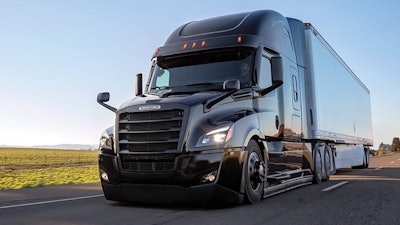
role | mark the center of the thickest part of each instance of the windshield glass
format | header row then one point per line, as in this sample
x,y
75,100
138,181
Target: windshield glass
x,y
202,71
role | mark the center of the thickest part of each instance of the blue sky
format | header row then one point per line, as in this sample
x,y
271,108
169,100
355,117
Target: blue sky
x,y
55,56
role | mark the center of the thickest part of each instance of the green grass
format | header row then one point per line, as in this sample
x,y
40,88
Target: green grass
x,y
25,167
42,157
16,179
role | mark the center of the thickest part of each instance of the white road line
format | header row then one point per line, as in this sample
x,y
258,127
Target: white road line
x,y
335,186
379,168
49,202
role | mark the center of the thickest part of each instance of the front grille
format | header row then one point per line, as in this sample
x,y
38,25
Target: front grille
x,y
148,162
153,131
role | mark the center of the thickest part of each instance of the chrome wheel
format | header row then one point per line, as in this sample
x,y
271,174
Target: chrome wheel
x,y
254,173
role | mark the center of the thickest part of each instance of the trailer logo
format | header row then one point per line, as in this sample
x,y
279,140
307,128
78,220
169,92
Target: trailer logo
x,y
149,107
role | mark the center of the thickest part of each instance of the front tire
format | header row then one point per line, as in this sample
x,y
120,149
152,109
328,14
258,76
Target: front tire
x,y
254,173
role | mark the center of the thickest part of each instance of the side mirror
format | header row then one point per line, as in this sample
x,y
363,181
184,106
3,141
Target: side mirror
x,y
257,63
277,69
105,97
138,84
231,85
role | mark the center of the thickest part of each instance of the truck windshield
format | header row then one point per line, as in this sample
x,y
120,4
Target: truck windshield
x,y
202,71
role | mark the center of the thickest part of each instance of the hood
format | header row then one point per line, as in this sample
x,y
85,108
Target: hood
x,y
188,100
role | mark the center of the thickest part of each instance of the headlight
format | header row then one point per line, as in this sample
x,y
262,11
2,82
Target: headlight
x,y
217,136
107,141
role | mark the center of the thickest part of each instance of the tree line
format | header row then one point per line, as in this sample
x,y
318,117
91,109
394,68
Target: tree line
x,y
386,148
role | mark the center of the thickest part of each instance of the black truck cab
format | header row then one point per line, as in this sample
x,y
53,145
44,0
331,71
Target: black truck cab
x,y
219,119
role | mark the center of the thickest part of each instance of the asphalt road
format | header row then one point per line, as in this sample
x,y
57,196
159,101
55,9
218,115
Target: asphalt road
x,y
368,196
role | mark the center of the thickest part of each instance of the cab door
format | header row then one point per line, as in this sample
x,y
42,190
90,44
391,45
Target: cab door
x,y
294,149
267,108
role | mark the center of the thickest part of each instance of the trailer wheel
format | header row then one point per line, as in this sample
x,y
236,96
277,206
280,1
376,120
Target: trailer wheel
x,y
254,173
317,159
327,162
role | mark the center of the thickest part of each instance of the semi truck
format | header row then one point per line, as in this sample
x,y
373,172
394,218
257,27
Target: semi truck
x,y
236,108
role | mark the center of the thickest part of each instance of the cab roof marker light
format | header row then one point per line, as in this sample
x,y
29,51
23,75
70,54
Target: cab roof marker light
x,y
185,46
156,51
203,43
239,39
307,24
194,45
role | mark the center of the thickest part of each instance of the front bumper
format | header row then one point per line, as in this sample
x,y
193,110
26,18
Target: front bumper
x,y
182,184
210,194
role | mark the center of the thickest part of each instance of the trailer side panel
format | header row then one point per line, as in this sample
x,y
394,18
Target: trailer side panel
x,y
340,108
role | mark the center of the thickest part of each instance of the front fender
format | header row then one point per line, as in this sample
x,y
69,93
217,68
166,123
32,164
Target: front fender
x,y
245,130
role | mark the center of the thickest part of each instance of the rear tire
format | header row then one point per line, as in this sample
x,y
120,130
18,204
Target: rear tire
x,y
327,162
254,173
317,159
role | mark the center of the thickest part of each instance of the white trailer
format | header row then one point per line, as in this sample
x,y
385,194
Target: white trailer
x,y
338,103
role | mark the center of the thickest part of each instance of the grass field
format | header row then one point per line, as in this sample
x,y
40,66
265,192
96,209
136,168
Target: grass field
x,y
23,167
44,157
16,179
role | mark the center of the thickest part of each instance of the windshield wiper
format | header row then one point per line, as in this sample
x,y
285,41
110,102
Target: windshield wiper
x,y
207,86
231,86
203,84
160,88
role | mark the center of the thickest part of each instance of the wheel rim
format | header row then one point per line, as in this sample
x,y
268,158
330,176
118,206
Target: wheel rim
x,y
256,171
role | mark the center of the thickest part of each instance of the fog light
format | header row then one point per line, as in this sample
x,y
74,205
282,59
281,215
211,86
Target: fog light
x,y
104,175
209,178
